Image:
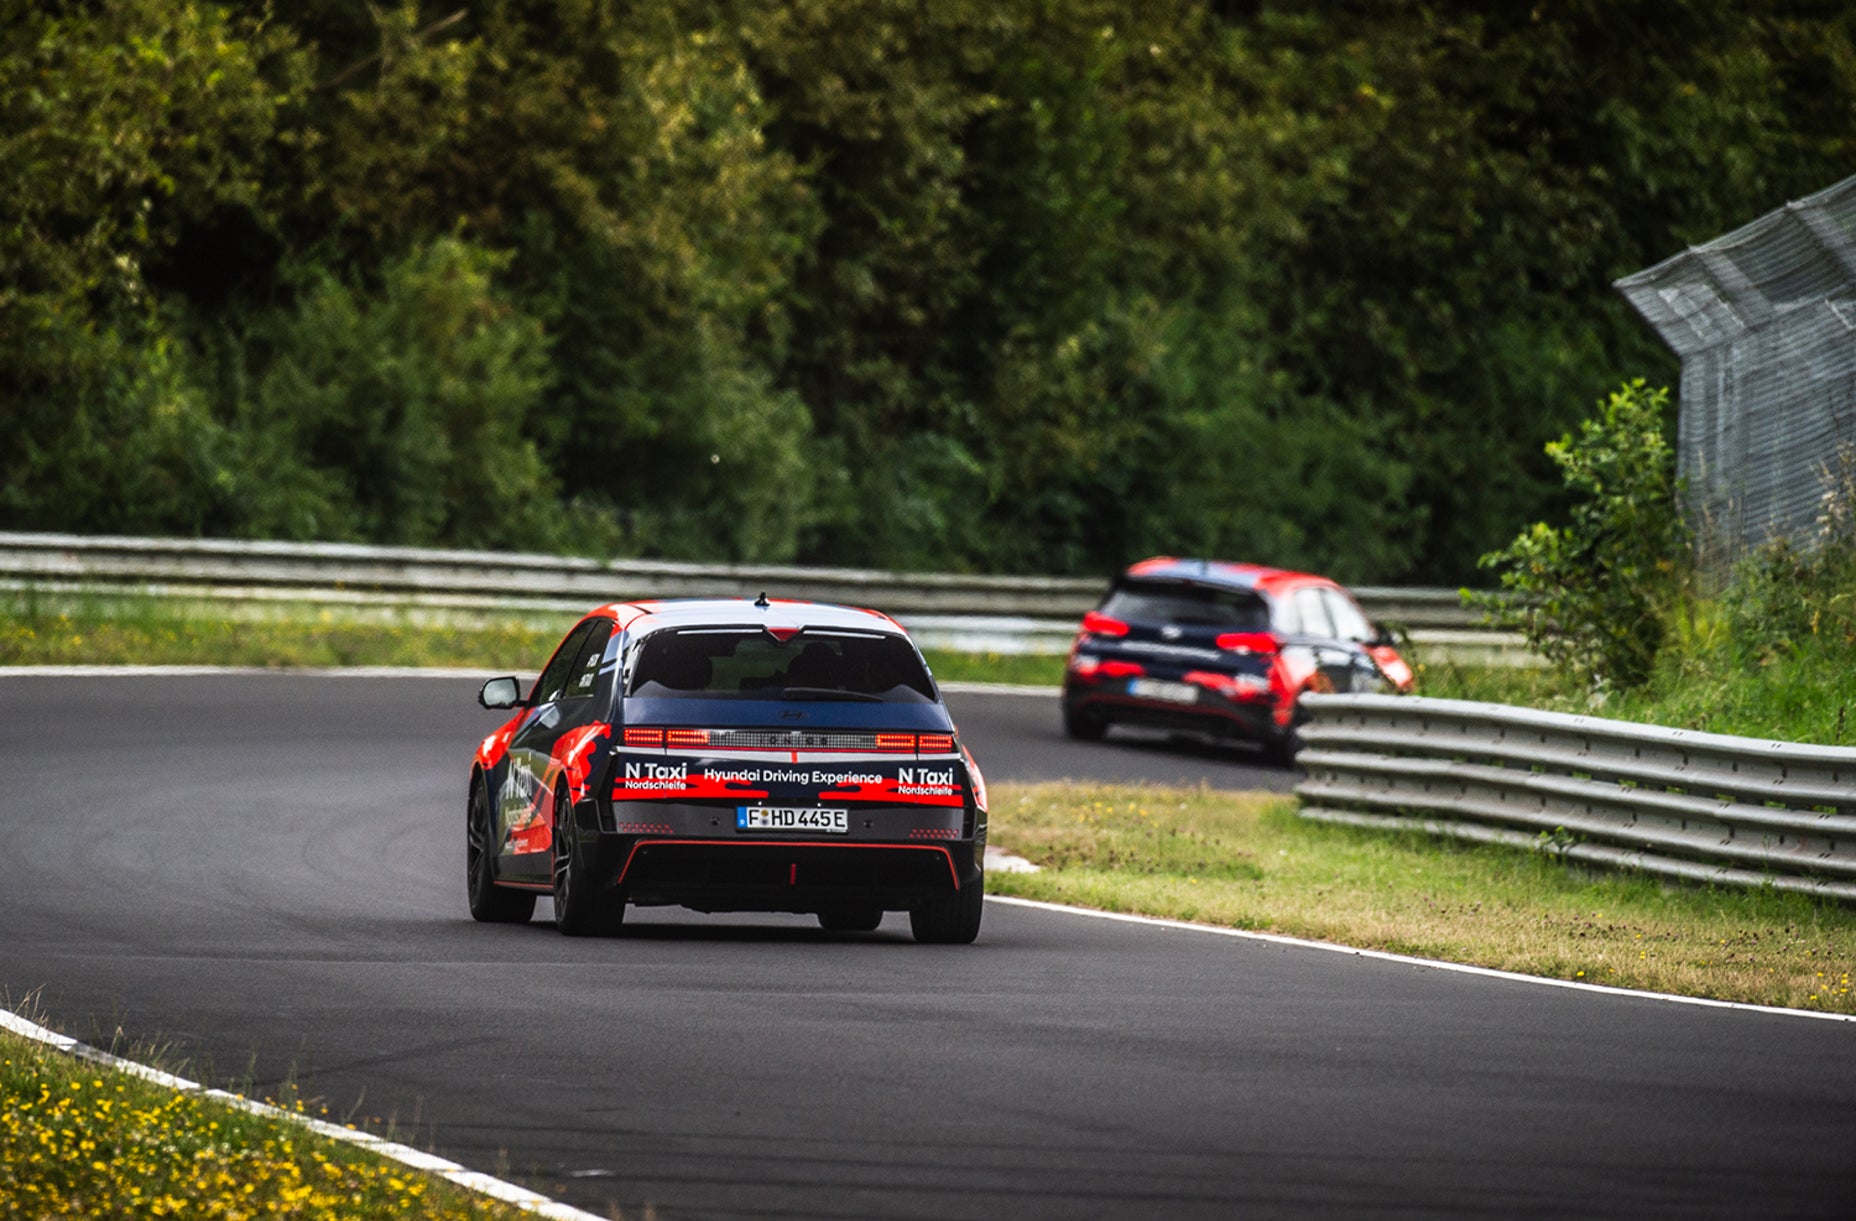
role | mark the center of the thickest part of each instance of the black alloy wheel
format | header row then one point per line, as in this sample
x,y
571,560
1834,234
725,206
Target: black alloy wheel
x,y
583,906
489,902
950,919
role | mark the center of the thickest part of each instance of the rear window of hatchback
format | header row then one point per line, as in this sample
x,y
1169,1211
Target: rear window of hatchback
x,y
748,663
1187,605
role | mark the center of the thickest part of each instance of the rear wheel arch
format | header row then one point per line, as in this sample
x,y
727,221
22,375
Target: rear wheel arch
x,y
489,902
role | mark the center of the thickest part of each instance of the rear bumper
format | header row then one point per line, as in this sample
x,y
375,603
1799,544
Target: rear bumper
x,y
1214,715
894,858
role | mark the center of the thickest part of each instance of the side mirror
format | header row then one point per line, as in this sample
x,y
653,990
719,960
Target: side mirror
x,y
502,693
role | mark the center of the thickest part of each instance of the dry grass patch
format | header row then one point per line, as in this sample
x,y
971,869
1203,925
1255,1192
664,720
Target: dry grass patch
x,y
1247,861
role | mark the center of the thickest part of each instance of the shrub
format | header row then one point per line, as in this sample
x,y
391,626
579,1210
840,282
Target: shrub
x,y
1593,596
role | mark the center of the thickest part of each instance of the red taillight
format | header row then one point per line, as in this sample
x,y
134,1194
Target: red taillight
x,y
1223,684
1231,686
1250,642
895,741
644,737
1120,669
1102,625
677,739
937,743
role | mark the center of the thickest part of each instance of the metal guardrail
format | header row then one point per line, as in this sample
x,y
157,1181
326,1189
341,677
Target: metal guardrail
x,y
1696,806
984,613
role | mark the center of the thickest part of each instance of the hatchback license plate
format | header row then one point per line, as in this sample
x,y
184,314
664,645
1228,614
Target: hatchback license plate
x,y
1159,689
791,818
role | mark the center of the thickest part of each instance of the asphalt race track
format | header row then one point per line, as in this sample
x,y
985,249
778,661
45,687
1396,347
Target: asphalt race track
x,y
265,874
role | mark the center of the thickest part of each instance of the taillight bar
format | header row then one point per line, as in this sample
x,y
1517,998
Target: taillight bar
x,y
1264,643
656,737
1103,625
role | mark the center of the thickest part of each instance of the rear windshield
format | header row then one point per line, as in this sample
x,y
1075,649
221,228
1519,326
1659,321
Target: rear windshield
x,y
747,663
1187,605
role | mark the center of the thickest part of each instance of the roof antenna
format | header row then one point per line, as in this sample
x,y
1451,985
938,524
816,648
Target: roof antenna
x,y
761,601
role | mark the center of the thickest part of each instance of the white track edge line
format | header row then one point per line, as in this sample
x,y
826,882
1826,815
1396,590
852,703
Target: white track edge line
x,y
199,671
1413,961
405,1155
969,688
184,671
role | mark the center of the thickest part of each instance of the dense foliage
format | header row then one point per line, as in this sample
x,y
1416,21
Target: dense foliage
x,y
1025,286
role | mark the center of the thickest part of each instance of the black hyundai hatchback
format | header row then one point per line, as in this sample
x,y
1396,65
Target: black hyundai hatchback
x,y
1223,650
727,755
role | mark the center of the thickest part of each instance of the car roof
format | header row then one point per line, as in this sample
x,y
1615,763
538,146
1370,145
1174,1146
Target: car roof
x,y
1258,577
779,613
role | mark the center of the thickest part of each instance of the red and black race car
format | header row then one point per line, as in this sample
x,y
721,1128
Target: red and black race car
x,y
729,755
1223,650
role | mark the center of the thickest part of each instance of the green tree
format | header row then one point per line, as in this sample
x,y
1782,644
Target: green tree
x,y
120,125
397,416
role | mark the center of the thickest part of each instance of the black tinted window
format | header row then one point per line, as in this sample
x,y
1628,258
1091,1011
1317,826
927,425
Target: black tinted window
x,y
585,672
554,678
1188,605
750,664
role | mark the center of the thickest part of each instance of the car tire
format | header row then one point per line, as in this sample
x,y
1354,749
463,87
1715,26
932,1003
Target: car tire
x,y
489,903
1083,726
1282,749
857,918
1287,744
950,919
583,905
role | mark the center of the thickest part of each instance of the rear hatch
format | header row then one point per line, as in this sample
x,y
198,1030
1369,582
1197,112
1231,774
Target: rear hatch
x,y
795,731
1175,640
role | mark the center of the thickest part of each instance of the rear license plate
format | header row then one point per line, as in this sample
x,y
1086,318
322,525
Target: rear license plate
x,y
791,818
1159,689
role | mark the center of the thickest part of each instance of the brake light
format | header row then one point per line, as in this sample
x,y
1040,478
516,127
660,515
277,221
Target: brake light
x,y
1223,684
937,743
644,737
1120,669
680,738
1102,625
1250,642
1232,687
895,741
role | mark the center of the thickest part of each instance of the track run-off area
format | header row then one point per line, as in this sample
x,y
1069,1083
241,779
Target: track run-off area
x,y
263,873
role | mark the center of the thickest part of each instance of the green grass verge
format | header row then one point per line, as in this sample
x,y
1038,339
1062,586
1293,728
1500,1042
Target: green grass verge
x,y
80,629
107,629
81,1140
1025,669
1806,696
1771,655
1247,861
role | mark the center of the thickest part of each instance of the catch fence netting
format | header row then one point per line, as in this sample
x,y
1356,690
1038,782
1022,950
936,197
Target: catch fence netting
x,y
1764,320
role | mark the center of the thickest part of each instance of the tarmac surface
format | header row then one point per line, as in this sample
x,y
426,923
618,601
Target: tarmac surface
x,y
263,874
